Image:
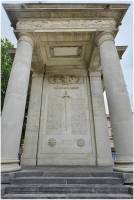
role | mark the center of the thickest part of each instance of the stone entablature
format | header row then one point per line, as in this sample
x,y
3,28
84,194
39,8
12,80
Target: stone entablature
x,y
76,11
66,25
43,51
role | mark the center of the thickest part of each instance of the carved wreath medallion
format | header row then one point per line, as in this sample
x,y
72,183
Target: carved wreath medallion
x,y
80,142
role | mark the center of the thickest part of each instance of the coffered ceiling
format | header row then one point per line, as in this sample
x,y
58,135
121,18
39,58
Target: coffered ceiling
x,y
54,49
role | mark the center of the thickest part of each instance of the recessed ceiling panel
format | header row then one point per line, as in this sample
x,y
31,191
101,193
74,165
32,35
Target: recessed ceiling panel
x,y
66,51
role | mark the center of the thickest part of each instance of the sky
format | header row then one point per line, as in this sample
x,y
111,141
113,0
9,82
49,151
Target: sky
x,y
123,38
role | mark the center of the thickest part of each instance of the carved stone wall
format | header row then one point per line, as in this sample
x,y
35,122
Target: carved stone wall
x,y
66,135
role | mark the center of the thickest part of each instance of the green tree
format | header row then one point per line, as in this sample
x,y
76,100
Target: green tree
x,y
6,64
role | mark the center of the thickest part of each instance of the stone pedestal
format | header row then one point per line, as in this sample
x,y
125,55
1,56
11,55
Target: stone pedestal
x,y
104,156
29,156
118,100
14,105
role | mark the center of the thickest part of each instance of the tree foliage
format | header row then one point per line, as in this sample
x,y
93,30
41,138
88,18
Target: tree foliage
x,y
6,64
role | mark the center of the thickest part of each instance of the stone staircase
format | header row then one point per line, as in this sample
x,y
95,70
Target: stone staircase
x,y
65,184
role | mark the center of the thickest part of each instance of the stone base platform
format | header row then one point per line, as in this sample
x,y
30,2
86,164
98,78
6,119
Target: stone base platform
x,y
66,182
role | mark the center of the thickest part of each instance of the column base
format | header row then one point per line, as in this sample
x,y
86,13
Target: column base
x,y
10,167
123,166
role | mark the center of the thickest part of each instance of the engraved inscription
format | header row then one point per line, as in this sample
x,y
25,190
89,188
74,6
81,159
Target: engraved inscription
x,y
78,116
54,116
65,135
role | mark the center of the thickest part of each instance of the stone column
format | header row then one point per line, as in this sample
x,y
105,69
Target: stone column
x,y
32,129
118,100
104,155
14,104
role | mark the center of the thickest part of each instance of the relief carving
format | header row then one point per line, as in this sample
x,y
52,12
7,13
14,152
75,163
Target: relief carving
x,y
65,80
51,142
80,142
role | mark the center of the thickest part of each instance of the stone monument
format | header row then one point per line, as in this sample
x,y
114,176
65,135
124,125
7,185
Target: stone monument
x,y
70,50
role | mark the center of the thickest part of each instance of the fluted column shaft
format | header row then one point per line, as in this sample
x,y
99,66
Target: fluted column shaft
x,y
14,104
118,101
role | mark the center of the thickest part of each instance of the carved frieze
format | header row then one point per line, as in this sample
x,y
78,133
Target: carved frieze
x,y
66,25
65,80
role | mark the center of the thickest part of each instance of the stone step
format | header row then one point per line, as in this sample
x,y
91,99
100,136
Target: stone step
x,y
70,188
56,184
131,189
68,174
66,180
68,196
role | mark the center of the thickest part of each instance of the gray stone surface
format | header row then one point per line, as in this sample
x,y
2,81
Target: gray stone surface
x,y
68,196
67,174
66,136
68,128
128,178
118,101
33,121
67,188
51,183
14,105
67,180
131,190
6,177
104,156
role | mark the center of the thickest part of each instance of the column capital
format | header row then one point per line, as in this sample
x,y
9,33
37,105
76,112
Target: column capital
x,y
27,38
104,36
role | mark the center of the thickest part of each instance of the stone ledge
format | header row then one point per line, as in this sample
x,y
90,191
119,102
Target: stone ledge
x,y
6,177
127,178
